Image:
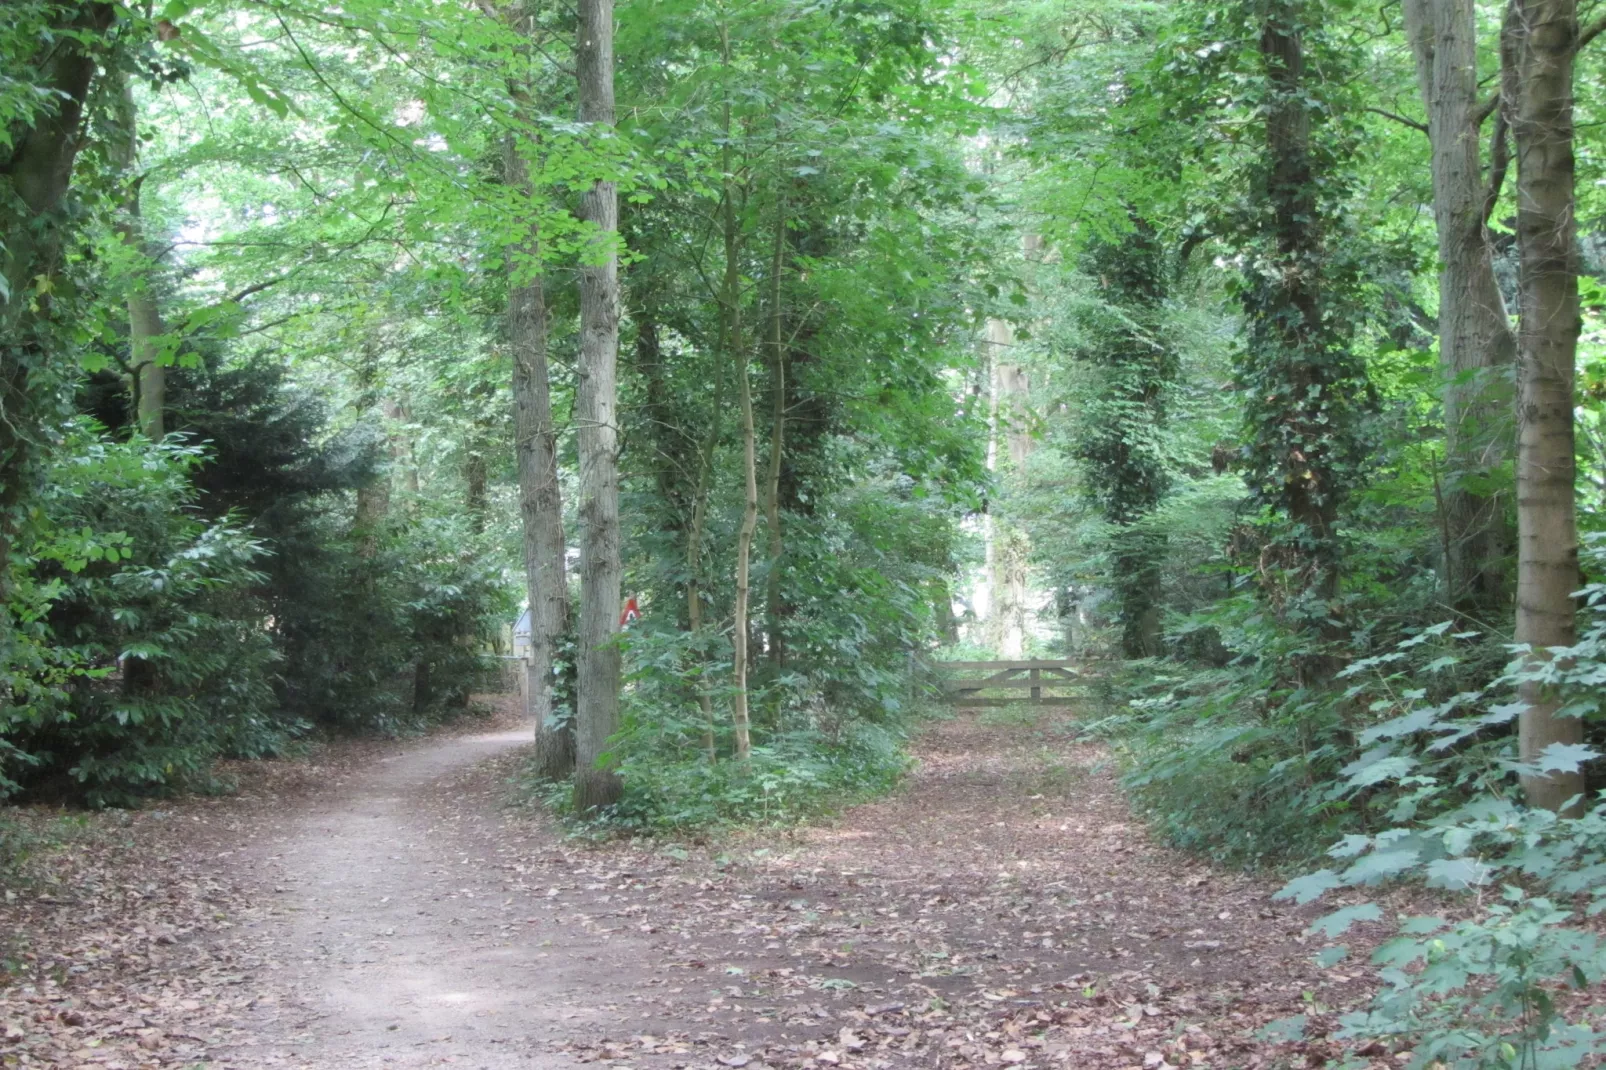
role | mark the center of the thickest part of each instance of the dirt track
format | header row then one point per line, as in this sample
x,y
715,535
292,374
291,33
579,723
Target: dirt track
x,y
1002,909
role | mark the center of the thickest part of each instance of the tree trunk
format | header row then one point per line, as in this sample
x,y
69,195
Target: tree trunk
x,y
596,783
1296,319
1305,388
476,501
1122,441
694,551
147,376
1009,549
540,496
1476,342
942,605
1543,38
730,300
775,611
373,497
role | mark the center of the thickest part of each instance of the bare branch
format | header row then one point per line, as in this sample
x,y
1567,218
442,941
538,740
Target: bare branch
x,y
1590,32
1402,120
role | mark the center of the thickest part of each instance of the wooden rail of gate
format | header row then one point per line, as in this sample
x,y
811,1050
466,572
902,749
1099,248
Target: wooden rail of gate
x,y
1032,676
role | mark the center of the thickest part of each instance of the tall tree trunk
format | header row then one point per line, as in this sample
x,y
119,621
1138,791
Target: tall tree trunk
x,y
1306,393
1296,306
147,375
1476,342
596,783
694,550
730,299
1543,39
1009,548
775,610
942,605
36,164
476,497
1122,441
540,496
373,497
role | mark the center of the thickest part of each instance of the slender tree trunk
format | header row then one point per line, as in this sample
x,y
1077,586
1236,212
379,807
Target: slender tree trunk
x,y
1306,393
147,376
775,611
694,549
730,299
540,496
476,500
942,605
373,497
1544,36
596,783
1476,342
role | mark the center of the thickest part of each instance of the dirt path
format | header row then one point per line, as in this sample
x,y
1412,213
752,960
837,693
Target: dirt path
x,y
1002,909
403,943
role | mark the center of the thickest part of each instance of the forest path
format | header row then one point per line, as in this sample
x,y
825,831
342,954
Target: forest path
x,y
404,937
382,907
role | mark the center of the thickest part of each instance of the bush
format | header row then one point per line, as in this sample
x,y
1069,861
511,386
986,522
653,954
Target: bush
x,y
1245,765
791,777
151,655
384,641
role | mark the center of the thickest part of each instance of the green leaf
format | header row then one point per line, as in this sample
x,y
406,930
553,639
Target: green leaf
x,y
1565,757
1338,923
1312,886
1380,865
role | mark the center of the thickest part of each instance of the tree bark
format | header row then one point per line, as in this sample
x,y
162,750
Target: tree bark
x,y
1475,338
476,499
540,496
694,552
1007,545
730,301
775,610
373,497
1542,42
596,782
1296,307
147,375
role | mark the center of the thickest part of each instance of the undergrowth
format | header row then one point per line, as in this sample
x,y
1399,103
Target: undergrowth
x,y
1404,768
790,778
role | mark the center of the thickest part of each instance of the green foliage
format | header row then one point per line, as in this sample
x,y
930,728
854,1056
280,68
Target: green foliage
x,y
1489,986
801,772
163,665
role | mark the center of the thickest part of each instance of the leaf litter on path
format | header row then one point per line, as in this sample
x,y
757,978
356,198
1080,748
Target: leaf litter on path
x,y
1002,909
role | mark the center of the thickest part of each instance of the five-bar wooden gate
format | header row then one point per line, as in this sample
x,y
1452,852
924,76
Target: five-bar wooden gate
x,y
962,688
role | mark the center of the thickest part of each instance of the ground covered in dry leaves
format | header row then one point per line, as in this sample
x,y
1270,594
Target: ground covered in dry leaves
x,y
380,905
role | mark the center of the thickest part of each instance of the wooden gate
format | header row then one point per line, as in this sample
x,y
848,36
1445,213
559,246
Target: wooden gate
x,y
964,681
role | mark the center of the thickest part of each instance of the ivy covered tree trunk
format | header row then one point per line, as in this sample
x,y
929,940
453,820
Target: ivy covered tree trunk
x,y
596,783
540,500
1121,439
1304,386
36,166
1476,343
1542,39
